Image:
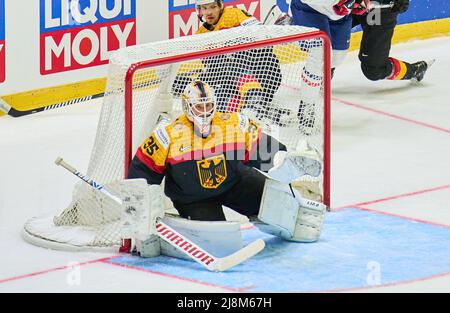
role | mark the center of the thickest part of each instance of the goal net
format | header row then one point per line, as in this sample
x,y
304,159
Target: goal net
x,y
278,76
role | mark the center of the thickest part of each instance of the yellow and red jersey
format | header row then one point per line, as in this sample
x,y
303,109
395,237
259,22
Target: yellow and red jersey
x,y
198,168
231,17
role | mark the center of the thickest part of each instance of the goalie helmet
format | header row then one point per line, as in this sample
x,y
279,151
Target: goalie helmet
x,y
199,105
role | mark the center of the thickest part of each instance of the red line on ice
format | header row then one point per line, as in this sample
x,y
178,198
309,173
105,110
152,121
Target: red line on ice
x,y
177,277
53,270
396,284
403,217
405,195
398,117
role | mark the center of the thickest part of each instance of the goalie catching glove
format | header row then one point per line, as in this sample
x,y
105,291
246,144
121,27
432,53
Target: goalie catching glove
x,y
290,166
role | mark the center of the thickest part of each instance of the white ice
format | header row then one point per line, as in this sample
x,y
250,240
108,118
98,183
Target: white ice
x,y
402,159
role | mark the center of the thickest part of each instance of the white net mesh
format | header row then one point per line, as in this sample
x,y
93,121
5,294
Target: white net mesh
x,y
280,86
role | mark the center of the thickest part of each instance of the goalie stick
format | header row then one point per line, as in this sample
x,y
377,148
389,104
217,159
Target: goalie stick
x,y
7,109
164,89
177,240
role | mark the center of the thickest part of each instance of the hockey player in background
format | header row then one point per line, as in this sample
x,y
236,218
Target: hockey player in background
x,y
333,17
208,159
376,64
242,78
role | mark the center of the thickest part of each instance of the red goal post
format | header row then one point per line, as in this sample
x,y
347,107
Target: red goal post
x,y
232,49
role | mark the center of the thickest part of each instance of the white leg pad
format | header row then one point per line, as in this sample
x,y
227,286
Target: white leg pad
x,y
284,213
279,209
148,248
220,238
309,221
143,204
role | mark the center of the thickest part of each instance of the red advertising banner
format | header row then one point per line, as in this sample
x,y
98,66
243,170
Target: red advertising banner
x,y
2,42
83,33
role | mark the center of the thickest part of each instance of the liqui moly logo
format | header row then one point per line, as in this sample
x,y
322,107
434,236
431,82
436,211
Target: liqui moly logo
x,y
2,42
82,33
176,240
183,19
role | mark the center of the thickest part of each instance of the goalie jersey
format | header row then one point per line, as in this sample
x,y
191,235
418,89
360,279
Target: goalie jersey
x,y
197,168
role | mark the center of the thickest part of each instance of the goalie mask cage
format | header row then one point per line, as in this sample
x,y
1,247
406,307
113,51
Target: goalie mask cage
x,y
276,75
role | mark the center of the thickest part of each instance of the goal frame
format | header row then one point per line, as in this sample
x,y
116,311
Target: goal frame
x,y
128,91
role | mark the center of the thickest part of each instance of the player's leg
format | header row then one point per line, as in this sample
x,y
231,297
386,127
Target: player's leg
x,y
284,213
202,222
304,15
276,208
376,45
356,19
375,49
312,74
268,72
245,196
206,210
340,39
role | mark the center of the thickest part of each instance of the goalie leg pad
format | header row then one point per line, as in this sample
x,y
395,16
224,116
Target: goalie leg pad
x,y
217,237
284,213
148,248
279,210
308,225
143,204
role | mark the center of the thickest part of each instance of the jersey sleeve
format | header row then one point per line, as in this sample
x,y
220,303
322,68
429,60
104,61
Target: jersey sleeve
x,y
246,19
260,148
150,159
252,134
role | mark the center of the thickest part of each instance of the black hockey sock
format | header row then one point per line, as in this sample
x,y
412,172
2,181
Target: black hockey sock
x,y
406,71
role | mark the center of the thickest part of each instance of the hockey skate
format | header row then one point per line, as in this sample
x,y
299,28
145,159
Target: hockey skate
x,y
421,68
